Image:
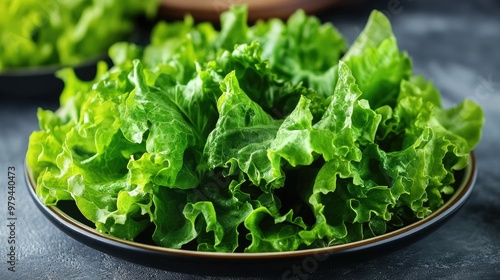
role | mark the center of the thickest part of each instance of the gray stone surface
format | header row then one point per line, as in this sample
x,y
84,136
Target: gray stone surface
x,y
454,43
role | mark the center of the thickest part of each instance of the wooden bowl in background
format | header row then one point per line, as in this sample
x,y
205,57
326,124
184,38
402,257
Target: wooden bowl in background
x,y
210,10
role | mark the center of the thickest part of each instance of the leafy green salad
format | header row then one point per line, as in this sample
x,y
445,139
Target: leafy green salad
x,y
277,136
62,32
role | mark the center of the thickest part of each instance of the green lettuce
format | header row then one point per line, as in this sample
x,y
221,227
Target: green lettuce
x,y
40,33
264,138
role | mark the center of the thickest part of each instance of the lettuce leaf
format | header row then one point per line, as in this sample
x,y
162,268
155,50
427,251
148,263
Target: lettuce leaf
x,y
295,49
242,136
376,62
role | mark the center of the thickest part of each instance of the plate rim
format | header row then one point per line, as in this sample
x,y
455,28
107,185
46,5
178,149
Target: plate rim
x,y
452,205
51,69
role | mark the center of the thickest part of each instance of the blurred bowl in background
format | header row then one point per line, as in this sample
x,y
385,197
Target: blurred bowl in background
x,y
210,10
40,83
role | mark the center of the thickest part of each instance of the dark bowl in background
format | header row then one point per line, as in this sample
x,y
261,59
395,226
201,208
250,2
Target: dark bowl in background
x,y
40,83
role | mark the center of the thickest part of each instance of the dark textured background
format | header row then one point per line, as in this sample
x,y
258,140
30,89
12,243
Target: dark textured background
x,y
454,42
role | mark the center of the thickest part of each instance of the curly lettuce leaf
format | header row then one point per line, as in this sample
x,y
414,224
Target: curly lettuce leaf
x,y
295,50
273,233
242,135
167,136
88,162
340,198
257,79
218,217
376,62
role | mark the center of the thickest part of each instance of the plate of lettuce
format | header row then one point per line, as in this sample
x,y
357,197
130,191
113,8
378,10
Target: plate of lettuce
x,y
276,140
